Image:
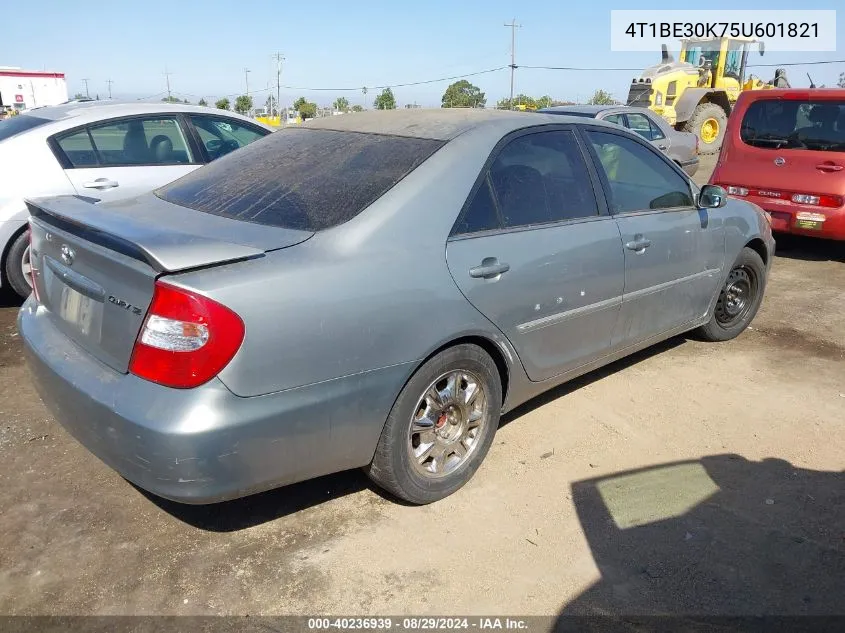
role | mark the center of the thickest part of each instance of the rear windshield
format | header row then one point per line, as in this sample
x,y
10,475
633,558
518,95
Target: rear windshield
x,y
20,123
784,124
300,178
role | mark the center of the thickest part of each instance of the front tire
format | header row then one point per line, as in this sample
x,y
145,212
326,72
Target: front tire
x,y
708,123
17,265
739,298
441,426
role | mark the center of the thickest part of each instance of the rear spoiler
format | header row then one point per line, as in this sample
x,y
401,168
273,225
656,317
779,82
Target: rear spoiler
x,y
163,249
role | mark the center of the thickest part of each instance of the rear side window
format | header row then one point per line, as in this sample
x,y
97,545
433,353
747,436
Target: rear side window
x,y
539,178
301,179
20,123
792,124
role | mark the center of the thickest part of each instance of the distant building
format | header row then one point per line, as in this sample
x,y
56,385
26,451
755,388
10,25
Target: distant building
x,y
26,89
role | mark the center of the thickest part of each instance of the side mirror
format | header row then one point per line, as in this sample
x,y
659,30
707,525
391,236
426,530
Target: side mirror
x,y
712,197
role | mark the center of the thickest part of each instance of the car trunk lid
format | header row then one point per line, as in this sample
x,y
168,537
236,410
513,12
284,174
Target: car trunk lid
x,y
95,266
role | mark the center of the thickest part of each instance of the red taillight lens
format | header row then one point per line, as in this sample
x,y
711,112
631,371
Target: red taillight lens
x,y
186,339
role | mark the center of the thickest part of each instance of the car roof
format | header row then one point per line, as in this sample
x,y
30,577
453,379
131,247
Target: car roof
x,y
88,111
436,123
793,93
585,109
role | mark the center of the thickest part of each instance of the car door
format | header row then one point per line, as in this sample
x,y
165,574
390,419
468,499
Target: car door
x,y
219,135
125,157
674,251
535,251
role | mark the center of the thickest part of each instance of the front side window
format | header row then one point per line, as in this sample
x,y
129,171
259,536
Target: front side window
x,y
791,124
221,136
540,178
639,179
126,143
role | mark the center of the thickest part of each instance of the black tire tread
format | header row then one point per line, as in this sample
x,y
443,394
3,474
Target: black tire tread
x,y
712,331
13,274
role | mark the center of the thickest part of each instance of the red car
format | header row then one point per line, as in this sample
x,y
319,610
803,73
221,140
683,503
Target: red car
x,y
784,150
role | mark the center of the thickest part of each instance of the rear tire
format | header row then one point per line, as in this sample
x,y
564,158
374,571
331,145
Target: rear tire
x,y
739,298
441,426
710,114
14,270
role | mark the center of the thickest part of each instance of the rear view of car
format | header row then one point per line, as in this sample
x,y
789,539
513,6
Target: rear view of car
x,y
784,150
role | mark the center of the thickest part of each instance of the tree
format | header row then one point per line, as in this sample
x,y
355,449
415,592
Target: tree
x,y
841,82
243,104
222,104
518,100
306,109
341,104
544,102
385,100
299,103
79,96
270,105
600,97
463,94
172,99
357,108
202,102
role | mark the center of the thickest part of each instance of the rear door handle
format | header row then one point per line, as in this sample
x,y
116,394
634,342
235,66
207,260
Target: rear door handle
x,y
661,147
638,244
490,267
101,183
829,167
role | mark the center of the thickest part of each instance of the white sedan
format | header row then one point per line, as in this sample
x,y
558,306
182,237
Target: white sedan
x,y
102,150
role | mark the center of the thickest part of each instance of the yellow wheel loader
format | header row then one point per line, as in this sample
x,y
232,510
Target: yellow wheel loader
x,y
696,93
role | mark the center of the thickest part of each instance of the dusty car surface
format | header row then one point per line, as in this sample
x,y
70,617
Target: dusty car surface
x,y
681,147
372,291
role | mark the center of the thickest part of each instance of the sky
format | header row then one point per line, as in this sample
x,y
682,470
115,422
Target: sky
x,y
205,45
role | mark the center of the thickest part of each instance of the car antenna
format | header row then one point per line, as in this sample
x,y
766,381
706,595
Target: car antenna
x,y
812,84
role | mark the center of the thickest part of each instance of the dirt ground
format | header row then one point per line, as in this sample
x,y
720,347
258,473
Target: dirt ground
x,y
750,518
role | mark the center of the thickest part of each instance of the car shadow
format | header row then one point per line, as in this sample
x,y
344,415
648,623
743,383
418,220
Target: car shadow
x,y
809,248
9,299
239,514
247,512
716,536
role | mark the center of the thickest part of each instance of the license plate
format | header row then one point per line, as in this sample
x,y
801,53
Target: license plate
x,y
77,309
809,225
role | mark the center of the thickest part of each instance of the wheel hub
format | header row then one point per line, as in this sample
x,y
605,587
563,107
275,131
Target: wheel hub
x,y
736,297
447,425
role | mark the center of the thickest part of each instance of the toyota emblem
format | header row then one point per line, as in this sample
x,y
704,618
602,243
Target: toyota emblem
x,y
780,161
67,254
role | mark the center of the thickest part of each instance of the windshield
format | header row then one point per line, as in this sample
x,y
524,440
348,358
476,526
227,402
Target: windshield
x,y
300,178
784,124
20,123
697,55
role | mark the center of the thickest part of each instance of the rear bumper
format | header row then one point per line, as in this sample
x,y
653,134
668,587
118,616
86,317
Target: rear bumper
x,y
786,216
205,445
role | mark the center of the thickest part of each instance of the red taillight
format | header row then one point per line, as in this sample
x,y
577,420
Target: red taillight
x,y
834,202
186,339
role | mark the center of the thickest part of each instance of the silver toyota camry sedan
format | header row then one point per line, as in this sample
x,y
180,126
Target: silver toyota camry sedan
x,y
372,290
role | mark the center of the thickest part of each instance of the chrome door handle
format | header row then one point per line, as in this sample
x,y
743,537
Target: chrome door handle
x,y
101,183
490,267
661,147
638,244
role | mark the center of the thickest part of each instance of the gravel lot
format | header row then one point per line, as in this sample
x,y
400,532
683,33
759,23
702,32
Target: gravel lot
x,y
751,521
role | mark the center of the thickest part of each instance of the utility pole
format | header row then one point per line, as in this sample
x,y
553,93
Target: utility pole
x,y
513,26
167,76
109,82
364,90
246,78
279,59
86,88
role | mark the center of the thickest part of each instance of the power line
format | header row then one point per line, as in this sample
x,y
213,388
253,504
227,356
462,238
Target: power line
x,y
402,85
594,69
816,63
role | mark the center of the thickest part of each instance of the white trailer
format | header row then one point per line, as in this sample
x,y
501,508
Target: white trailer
x,y
26,89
